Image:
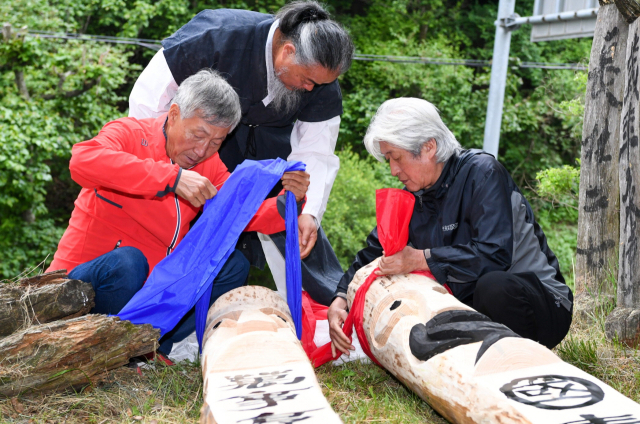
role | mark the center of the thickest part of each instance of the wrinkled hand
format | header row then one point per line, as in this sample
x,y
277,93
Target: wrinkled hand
x,y
296,182
307,234
336,315
403,262
195,188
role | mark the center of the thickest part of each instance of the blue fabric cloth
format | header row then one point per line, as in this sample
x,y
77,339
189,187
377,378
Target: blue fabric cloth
x,y
292,265
234,274
184,278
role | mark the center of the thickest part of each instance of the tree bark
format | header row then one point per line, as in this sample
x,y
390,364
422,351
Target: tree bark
x,y
253,365
68,353
48,299
599,221
516,380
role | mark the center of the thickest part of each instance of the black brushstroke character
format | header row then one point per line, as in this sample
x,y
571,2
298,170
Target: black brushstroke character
x,y
261,399
628,206
287,418
263,379
553,392
606,69
619,419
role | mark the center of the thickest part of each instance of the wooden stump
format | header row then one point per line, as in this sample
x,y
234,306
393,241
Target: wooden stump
x,y
515,381
68,353
254,367
599,219
621,324
42,300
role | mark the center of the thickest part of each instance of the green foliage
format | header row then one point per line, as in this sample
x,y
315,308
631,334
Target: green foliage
x,y
351,212
71,92
557,213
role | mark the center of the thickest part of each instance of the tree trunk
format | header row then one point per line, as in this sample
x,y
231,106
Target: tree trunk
x,y
623,323
254,367
599,220
48,299
516,380
68,353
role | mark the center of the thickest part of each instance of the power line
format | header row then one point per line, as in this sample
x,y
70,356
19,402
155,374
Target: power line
x,y
156,45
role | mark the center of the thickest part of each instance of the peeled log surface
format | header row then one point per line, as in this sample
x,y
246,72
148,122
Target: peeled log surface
x,y
68,353
254,367
60,298
515,381
599,197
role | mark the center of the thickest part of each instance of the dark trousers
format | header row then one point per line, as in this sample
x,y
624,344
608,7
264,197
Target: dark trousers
x,y
117,275
521,302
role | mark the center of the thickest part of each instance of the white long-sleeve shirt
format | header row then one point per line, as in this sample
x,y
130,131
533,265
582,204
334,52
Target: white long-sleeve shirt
x,y
313,143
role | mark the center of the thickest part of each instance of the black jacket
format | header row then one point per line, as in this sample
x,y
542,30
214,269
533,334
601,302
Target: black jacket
x,y
472,221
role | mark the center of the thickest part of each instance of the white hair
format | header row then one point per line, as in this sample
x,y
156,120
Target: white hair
x,y
209,96
318,39
408,123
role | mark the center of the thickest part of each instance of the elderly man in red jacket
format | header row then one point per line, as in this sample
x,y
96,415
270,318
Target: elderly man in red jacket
x,y
143,182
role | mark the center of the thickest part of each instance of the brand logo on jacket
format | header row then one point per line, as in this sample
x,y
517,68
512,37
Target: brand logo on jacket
x,y
450,227
144,142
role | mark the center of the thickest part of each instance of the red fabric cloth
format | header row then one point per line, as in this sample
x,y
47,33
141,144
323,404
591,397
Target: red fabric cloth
x,y
122,170
394,209
311,312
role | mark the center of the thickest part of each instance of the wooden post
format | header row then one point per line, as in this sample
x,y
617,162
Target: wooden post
x,y
516,380
68,353
254,367
624,322
598,223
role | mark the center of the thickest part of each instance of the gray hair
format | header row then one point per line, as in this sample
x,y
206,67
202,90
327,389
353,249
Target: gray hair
x,y
209,96
408,123
318,40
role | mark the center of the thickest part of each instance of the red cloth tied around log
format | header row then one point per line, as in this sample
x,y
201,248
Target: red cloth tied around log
x,y
394,208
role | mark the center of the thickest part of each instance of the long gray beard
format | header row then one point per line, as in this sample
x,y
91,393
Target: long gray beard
x,y
283,100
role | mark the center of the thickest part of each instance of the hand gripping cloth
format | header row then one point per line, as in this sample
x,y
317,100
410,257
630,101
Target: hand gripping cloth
x,y
185,277
394,208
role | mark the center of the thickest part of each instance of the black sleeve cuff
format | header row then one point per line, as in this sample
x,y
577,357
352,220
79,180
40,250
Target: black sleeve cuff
x,y
437,271
282,205
169,189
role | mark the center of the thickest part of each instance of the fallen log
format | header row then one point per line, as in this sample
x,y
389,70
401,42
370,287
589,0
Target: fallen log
x,y
68,353
515,380
42,300
254,367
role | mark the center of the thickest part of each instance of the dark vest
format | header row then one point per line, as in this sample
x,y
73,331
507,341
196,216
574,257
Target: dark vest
x,y
233,43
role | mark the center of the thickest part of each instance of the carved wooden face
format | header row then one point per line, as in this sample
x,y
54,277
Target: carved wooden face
x,y
252,309
391,299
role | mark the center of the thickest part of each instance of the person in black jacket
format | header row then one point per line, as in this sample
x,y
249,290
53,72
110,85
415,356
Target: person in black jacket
x,y
471,227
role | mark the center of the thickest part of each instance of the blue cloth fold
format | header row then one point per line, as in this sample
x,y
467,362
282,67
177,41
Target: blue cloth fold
x,y
185,277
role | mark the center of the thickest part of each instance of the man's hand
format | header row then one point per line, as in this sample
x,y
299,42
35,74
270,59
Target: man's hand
x,y
336,316
296,182
195,188
307,233
403,262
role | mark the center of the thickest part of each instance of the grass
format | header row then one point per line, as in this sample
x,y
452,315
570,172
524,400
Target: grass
x,y
359,393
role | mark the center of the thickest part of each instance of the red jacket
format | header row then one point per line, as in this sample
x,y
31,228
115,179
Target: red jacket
x,y
127,196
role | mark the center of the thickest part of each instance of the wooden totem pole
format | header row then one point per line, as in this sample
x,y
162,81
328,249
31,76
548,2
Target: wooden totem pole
x,y
608,228
599,219
255,370
450,356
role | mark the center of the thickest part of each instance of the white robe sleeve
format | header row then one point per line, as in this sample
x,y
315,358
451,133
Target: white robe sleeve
x,y
152,93
314,143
